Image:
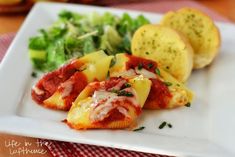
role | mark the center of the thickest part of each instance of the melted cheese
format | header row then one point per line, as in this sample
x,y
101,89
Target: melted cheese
x,y
68,87
145,73
104,102
134,72
123,111
118,85
126,73
38,91
100,96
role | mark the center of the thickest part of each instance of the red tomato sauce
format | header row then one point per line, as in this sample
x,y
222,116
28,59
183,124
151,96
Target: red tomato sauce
x,y
113,81
114,115
50,82
79,81
159,95
144,63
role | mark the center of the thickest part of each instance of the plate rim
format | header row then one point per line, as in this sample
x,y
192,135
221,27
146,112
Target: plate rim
x,y
12,115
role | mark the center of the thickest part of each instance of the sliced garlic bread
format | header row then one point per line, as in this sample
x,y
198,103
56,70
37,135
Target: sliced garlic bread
x,y
167,47
201,31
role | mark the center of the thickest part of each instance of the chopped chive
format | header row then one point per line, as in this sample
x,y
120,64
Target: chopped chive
x,y
126,85
139,129
34,74
157,71
150,65
169,125
168,83
113,62
188,104
162,125
125,93
114,91
108,75
177,84
140,66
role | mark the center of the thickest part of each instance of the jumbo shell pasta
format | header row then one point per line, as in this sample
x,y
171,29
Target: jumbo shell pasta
x,y
59,88
110,104
166,92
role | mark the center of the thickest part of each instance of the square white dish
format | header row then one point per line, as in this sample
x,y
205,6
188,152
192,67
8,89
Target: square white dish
x,y
205,129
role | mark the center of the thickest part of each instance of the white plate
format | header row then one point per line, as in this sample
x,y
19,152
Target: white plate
x,y
207,128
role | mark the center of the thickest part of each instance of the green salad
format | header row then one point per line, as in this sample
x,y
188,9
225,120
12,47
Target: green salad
x,y
74,35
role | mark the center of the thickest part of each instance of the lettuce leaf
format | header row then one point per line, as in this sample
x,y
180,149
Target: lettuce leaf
x,y
74,35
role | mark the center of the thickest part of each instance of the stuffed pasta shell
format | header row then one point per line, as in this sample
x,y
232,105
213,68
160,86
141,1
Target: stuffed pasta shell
x,y
112,104
59,88
166,92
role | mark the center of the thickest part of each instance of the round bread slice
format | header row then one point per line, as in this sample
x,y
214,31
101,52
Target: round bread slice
x,y
201,31
167,47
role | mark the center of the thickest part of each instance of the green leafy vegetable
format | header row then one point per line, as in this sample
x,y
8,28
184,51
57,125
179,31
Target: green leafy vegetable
x,y
66,15
74,35
37,43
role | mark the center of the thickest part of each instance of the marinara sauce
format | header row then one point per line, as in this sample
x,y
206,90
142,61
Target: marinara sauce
x,y
159,95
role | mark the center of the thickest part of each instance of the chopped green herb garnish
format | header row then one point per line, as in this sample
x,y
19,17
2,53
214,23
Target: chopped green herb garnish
x,y
168,83
114,91
157,71
147,53
140,66
108,75
150,65
113,62
34,74
125,93
162,125
127,85
177,84
169,125
188,104
139,129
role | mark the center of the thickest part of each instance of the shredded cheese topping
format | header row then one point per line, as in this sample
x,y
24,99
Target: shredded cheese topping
x,y
38,91
68,87
105,101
